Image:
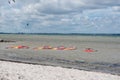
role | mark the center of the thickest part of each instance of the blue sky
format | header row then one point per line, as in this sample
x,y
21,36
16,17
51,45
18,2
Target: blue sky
x,y
60,16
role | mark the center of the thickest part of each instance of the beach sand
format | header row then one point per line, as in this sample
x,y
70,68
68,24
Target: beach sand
x,y
20,71
106,59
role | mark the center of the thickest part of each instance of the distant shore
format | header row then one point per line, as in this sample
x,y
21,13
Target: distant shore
x,y
76,34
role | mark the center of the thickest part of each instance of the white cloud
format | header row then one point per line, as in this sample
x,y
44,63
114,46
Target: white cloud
x,y
116,8
71,14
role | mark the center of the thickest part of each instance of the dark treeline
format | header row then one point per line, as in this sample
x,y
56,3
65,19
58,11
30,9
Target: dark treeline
x,y
81,34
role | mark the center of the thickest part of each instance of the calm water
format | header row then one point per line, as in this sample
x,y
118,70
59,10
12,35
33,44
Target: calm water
x,y
106,59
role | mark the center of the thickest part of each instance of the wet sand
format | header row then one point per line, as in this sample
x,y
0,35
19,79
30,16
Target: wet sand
x,y
106,59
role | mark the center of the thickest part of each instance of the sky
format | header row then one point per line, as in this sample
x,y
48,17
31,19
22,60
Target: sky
x,y
60,16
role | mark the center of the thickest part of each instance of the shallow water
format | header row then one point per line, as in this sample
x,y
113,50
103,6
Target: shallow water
x,y
106,59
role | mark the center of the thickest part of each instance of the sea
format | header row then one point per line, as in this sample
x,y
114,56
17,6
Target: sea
x,y
106,59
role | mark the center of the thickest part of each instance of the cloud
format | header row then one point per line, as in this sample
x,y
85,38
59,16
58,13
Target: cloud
x,y
116,8
60,16
73,6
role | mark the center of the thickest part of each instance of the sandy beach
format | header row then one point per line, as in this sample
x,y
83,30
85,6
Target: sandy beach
x,y
20,71
104,63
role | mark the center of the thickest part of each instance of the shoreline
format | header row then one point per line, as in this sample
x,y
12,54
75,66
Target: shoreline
x,y
20,71
79,65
